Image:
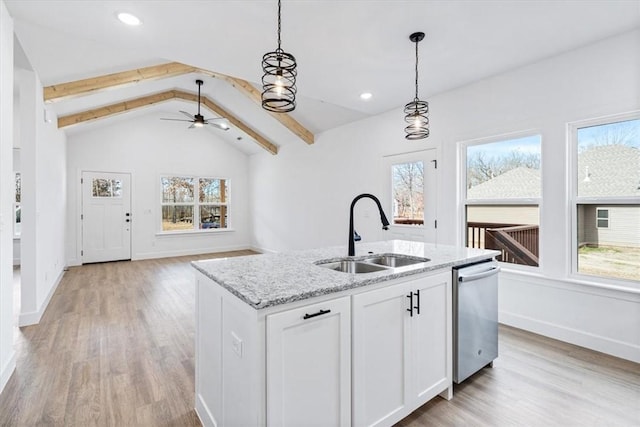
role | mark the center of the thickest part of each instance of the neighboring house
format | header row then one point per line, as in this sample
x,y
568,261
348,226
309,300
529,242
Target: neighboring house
x,y
609,224
517,183
599,224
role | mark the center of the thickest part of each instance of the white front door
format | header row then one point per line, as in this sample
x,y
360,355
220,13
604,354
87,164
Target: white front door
x,y
106,217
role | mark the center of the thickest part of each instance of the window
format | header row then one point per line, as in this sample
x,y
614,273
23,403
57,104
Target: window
x,y
106,187
17,209
602,218
183,211
502,197
408,193
606,197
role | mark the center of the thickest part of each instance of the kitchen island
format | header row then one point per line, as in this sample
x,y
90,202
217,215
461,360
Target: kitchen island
x,y
281,339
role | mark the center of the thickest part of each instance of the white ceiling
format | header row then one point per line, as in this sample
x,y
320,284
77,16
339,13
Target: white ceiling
x,y
342,47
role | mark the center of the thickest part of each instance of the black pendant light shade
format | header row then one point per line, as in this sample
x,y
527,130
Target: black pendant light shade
x,y
279,78
417,111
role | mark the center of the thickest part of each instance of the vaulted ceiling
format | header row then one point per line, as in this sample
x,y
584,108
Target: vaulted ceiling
x,y
343,48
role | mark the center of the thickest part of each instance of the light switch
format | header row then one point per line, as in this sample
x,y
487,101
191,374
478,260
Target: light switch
x,y
236,344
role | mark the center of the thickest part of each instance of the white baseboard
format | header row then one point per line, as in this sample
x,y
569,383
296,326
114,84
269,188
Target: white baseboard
x,y
74,262
186,252
7,370
202,410
33,317
599,343
262,250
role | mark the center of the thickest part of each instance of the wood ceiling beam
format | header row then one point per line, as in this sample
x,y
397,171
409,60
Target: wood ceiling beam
x,y
96,84
217,109
86,86
133,104
255,95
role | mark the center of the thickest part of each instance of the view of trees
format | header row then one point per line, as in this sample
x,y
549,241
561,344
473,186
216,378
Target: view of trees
x,y
408,190
18,187
106,187
179,204
619,133
212,190
177,190
483,166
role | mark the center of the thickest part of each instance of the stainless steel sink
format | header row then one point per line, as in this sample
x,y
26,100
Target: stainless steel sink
x,y
351,266
394,261
373,263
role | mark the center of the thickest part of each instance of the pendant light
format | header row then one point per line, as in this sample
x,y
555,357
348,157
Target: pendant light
x,y
416,111
279,78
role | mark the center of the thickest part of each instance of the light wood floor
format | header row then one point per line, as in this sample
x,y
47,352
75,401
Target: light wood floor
x,y
116,348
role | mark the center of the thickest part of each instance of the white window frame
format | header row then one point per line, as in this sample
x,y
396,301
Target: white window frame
x,y
196,206
464,202
572,155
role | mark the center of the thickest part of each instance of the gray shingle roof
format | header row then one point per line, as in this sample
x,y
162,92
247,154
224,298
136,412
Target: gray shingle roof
x,y
604,180
613,170
517,183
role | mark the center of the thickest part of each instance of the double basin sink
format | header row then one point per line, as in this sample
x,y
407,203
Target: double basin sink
x,y
374,263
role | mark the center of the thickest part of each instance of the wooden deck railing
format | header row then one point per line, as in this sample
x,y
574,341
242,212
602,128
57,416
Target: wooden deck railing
x,y
519,244
408,221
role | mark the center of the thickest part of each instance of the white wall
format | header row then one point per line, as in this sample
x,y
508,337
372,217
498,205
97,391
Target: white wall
x,y
147,147
43,169
300,198
7,354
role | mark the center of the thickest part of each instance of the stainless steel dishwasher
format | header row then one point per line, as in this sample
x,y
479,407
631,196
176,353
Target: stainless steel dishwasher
x,y
475,318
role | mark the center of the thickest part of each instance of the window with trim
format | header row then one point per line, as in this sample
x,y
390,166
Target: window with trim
x,y
408,193
502,197
101,187
194,203
17,209
606,197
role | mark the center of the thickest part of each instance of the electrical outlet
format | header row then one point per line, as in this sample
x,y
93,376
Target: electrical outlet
x,y
236,344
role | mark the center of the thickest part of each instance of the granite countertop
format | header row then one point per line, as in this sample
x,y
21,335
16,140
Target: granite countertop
x,y
271,279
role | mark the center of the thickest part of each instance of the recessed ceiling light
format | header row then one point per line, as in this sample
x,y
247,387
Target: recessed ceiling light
x,y
365,96
129,19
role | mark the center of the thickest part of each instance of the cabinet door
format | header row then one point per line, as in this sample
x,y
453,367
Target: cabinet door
x,y
431,337
309,365
380,355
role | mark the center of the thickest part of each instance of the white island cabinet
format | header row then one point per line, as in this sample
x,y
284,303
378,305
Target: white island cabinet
x,y
309,365
401,349
284,342
291,365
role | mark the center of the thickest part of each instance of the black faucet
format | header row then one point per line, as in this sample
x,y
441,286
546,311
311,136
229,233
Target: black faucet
x,y
383,218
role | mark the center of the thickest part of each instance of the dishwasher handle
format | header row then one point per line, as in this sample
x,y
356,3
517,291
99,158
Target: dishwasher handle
x,y
482,275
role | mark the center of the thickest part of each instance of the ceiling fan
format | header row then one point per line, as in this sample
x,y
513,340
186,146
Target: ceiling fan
x,y
198,120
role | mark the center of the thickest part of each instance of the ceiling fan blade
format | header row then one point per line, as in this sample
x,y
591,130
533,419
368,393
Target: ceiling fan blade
x,y
221,126
188,115
192,126
176,120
